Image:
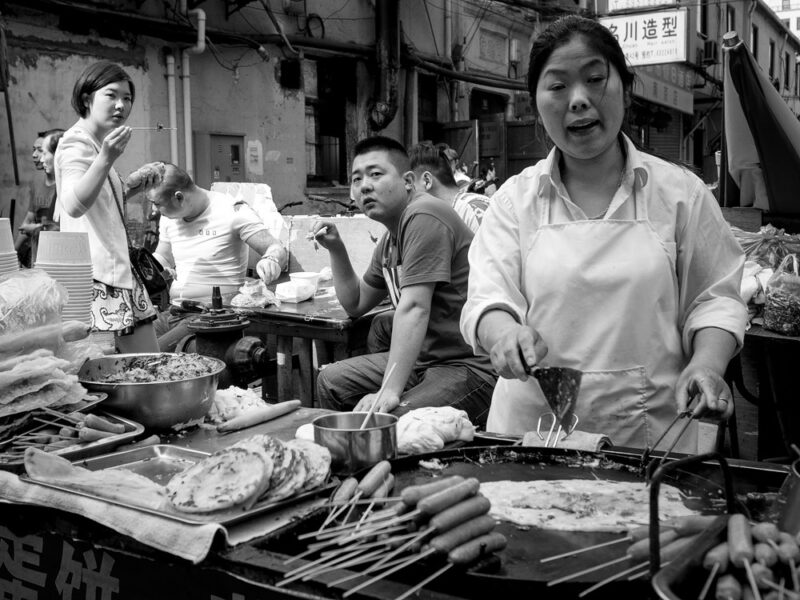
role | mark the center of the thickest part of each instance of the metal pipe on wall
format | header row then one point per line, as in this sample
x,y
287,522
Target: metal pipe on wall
x,y
173,108
186,76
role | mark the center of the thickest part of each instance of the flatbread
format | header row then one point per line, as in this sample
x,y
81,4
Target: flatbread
x,y
293,482
225,479
115,484
579,504
318,462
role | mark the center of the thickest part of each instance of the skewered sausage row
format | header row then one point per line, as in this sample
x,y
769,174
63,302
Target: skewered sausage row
x,y
447,517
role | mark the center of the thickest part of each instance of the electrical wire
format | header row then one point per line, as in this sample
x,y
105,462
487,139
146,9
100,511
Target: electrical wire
x,y
430,24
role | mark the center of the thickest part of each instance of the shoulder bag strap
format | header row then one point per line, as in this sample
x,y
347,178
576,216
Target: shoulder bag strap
x,y
121,213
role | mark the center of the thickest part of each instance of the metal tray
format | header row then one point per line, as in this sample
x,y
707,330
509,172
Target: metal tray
x,y
519,572
159,463
79,451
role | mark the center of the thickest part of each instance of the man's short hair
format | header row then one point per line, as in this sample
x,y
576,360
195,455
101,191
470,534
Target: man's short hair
x,y
175,180
427,157
396,151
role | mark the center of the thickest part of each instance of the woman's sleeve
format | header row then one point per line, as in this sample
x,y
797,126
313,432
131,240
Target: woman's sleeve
x,y
495,261
709,264
73,158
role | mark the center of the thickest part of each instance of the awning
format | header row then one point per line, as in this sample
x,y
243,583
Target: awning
x,y
762,135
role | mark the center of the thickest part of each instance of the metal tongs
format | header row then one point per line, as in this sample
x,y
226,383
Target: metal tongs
x,y
558,432
644,465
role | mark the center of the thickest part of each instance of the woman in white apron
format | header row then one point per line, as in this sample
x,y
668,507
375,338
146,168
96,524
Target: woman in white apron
x,y
604,259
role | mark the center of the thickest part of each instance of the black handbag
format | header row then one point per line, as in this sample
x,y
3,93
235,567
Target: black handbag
x,y
144,265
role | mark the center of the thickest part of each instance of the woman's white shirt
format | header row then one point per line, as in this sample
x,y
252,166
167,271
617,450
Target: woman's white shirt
x,y
682,211
76,151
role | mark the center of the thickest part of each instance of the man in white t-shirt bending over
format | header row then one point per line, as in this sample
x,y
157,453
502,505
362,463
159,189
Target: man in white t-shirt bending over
x,y
206,236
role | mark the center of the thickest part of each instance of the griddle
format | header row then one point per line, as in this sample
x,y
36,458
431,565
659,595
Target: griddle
x,y
516,571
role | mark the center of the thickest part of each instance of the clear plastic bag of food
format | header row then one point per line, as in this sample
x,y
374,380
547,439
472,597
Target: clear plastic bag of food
x,y
30,312
768,246
782,305
253,293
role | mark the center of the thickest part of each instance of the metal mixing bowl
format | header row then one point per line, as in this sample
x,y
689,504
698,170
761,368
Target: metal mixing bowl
x,y
157,405
353,449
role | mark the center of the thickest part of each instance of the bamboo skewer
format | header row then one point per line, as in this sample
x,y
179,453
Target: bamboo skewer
x,y
60,415
424,582
391,563
383,574
627,538
59,425
709,580
751,578
614,577
589,570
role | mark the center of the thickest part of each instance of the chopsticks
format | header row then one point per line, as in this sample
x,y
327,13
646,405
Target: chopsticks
x,y
378,396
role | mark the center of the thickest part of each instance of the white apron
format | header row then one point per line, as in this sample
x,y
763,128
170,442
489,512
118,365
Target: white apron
x,y
604,297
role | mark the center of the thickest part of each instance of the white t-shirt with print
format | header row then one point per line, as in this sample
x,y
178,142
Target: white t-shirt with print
x,y
211,250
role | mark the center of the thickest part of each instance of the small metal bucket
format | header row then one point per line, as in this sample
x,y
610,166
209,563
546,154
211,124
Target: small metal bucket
x,y
790,498
352,448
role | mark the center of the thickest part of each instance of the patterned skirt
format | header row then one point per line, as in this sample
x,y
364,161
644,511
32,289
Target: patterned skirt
x,y
119,309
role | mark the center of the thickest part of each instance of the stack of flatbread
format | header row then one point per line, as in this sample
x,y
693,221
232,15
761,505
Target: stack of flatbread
x,y
260,468
31,381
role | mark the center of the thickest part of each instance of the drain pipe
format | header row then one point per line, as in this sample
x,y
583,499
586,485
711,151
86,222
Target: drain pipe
x,y
198,48
173,109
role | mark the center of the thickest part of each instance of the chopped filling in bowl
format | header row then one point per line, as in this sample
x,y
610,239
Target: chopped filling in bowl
x,y
167,367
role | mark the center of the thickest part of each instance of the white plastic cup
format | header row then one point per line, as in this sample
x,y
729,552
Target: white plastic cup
x,y
6,237
65,247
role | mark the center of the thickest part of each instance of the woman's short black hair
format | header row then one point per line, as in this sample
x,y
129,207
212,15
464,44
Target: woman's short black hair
x,y
560,32
94,77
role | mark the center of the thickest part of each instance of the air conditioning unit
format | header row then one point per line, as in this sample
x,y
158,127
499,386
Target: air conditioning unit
x,y
710,52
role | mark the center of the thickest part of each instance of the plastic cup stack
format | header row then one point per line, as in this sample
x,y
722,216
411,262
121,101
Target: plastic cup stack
x,y
66,258
8,256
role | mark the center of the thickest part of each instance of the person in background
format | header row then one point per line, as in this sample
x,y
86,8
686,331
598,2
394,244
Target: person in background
x,y
456,166
42,193
421,264
205,238
605,259
91,200
433,175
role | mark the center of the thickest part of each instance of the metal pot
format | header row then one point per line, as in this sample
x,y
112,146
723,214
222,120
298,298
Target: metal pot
x,y
157,405
352,448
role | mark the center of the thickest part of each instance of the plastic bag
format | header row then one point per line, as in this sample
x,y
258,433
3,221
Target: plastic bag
x,y
30,312
768,246
254,294
782,306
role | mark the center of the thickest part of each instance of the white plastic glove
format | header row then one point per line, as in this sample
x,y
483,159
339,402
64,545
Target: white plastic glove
x,y
268,270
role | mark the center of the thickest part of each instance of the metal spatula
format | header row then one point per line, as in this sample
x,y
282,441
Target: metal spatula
x,y
560,386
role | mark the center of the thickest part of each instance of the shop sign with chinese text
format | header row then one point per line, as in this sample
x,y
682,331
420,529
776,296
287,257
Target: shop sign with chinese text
x,y
650,38
614,5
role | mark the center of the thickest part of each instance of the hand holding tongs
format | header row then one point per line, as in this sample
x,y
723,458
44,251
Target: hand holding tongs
x,y
560,429
688,414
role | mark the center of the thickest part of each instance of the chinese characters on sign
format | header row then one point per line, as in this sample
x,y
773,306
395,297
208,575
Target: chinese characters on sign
x,y
633,4
22,576
650,38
